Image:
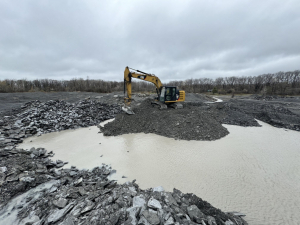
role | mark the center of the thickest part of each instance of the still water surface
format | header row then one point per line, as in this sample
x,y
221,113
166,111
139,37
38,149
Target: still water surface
x,y
254,170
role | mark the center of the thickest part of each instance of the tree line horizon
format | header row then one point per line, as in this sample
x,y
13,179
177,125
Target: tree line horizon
x,y
280,83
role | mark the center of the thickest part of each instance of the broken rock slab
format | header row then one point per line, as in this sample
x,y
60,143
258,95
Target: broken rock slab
x,y
158,189
151,217
60,203
60,213
139,201
3,169
133,212
195,214
154,204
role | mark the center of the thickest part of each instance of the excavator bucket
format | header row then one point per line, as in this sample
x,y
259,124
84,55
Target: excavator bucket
x,y
128,110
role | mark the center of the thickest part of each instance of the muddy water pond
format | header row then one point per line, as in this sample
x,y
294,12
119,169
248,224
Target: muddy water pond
x,y
254,170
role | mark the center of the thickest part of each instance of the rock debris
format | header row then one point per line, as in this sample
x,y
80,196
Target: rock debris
x,y
82,196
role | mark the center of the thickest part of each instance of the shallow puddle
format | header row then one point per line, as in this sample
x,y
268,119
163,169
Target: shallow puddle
x,y
255,170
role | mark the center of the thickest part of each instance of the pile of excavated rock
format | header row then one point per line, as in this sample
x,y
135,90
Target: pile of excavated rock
x,y
36,117
277,115
192,122
89,197
200,120
195,121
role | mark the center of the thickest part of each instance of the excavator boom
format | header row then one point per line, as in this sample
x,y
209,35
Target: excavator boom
x,y
142,76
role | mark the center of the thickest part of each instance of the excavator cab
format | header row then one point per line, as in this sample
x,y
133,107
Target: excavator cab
x,y
171,95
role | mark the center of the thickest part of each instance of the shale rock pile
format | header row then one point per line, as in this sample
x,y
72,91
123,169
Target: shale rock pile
x,y
277,115
229,114
193,122
36,117
88,197
200,120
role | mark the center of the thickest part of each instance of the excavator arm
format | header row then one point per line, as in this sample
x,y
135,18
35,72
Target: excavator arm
x,y
142,76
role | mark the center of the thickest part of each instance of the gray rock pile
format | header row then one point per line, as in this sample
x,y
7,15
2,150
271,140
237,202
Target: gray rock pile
x,y
36,117
60,115
277,115
192,122
200,120
89,197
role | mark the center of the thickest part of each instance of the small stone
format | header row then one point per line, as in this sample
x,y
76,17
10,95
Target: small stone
x,y
229,222
78,182
139,201
169,199
195,214
8,148
211,220
3,169
30,220
57,172
59,165
60,203
170,221
52,189
151,217
81,191
89,206
143,221
154,204
73,173
27,179
158,189
58,214
132,191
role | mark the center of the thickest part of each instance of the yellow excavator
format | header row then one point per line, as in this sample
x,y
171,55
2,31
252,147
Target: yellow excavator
x,y
166,95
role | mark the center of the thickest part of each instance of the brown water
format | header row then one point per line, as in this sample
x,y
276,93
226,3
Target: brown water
x,y
255,170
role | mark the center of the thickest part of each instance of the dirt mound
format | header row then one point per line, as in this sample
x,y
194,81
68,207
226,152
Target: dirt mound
x,y
189,123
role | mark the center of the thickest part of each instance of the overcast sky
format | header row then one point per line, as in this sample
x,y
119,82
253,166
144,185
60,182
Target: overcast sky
x,y
174,39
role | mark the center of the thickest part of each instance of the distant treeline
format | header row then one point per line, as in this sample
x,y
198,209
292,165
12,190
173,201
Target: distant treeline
x,y
281,83
86,85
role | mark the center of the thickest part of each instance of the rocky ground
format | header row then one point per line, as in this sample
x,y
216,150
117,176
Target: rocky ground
x,y
202,120
189,123
72,196
278,111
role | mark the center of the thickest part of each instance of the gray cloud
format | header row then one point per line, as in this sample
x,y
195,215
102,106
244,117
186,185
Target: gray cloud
x,y
173,39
